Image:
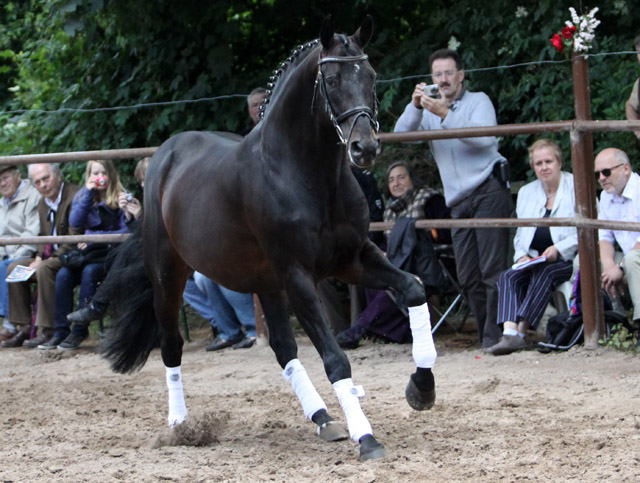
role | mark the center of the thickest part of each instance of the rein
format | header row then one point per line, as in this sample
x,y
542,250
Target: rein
x,y
357,111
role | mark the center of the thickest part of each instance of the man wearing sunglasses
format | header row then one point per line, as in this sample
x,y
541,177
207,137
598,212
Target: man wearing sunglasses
x,y
475,181
619,201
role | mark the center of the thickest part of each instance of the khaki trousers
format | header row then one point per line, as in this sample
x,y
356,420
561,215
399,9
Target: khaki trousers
x,y
632,275
20,299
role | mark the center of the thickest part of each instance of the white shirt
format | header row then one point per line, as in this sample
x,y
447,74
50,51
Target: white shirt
x,y
53,208
531,204
621,208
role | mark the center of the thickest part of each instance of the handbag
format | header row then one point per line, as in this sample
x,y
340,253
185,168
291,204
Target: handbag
x,y
76,259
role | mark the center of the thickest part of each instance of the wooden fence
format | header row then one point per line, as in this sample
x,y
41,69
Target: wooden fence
x,y
580,130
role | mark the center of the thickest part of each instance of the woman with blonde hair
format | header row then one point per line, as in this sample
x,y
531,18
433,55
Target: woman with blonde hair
x,y
525,291
95,210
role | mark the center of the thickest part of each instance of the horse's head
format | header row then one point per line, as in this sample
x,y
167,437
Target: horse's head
x,y
347,82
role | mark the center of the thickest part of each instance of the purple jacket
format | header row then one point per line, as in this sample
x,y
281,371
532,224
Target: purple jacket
x,y
95,218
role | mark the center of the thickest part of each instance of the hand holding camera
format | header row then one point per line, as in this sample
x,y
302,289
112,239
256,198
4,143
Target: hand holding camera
x,y
431,90
424,89
428,97
97,182
129,205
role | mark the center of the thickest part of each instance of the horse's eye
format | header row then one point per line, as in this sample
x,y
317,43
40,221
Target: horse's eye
x,y
332,81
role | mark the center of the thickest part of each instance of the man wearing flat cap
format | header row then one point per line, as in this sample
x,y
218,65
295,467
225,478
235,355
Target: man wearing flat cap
x,y
18,218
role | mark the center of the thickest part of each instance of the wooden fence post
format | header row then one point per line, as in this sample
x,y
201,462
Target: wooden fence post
x,y
585,191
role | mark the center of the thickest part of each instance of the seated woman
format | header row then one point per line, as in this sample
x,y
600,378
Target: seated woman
x,y
407,198
95,209
97,307
524,294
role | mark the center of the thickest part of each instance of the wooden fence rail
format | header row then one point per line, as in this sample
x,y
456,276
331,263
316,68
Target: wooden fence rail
x,y
580,130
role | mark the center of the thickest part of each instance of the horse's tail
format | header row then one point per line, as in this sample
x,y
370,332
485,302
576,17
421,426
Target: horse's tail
x,y
134,330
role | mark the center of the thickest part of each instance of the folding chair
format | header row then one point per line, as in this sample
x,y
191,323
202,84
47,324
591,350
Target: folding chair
x,y
453,289
561,296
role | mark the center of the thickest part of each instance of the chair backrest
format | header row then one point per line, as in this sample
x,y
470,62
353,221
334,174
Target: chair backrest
x,y
561,296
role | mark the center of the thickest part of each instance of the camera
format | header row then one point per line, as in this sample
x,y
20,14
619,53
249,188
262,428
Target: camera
x,y
101,181
431,90
129,197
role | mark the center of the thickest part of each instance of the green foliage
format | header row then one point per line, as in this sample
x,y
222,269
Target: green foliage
x,y
622,339
89,54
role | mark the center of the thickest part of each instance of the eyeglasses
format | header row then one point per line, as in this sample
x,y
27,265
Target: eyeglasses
x,y
606,172
448,73
6,177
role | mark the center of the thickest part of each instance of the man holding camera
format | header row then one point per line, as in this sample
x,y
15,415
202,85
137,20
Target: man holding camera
x,y
475,181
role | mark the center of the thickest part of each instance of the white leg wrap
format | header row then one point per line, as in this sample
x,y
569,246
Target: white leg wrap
x,y
349,395
296,374
177,407
424,352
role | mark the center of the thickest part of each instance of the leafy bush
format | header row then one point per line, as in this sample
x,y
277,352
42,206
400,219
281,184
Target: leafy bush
x,y
622,339
88,54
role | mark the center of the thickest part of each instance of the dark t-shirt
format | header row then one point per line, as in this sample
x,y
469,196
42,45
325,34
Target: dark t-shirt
x,y
542,237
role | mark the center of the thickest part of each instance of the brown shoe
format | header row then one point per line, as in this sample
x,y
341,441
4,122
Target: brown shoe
x,y
5,334
45,335
17,339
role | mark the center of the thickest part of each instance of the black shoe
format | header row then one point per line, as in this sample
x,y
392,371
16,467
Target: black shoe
x,y
244,343
42,338
52,343
17,339
219,343
72,342
84,315
350,338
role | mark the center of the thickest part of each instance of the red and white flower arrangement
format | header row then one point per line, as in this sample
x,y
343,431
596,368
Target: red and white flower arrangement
x,y
577,34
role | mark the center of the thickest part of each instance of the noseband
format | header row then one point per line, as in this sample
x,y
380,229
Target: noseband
x,y
357,111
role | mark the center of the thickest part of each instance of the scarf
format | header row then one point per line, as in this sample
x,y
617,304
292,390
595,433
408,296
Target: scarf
x,y
409,205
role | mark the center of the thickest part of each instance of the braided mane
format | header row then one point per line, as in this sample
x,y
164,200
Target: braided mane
x,y
295,57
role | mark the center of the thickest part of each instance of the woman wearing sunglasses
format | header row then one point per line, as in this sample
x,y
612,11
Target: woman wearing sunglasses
x,y
525,292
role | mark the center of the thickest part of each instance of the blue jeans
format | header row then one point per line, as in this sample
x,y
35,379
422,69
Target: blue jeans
x,y
4,286
233,311
88,278
199,301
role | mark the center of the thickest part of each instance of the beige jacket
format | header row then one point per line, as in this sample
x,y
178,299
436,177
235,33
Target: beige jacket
x,y
20,219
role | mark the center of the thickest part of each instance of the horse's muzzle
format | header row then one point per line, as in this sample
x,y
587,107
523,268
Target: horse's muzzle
x,y
363,151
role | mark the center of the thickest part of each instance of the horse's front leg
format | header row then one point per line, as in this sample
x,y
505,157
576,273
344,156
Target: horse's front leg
x,y
305,302
282,341
373,270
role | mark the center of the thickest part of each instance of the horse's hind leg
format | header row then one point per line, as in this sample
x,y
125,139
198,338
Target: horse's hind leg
x,y
168,275
282,341
307,307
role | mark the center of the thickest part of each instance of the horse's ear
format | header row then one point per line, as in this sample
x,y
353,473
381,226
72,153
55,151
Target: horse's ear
x,y
365,32
326,32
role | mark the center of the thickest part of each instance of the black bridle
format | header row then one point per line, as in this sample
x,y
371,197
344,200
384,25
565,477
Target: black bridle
x,y
357,111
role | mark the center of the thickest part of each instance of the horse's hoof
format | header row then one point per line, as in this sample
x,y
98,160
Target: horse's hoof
x,y
332,431
371,448
417,399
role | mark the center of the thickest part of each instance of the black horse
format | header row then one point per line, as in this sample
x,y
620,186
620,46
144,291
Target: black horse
x,y
273,214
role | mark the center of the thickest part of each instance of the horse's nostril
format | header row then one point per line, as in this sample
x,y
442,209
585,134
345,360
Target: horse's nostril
x,y
356,149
